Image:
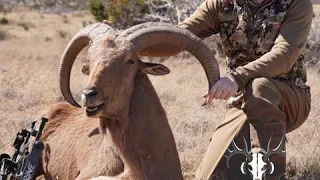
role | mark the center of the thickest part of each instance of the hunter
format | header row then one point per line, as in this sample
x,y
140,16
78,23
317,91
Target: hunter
x,y
263,41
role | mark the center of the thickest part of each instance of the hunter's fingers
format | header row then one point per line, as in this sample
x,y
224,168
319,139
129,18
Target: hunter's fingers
x,y
224,93
212,93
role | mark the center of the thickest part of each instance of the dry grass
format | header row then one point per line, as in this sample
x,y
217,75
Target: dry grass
x,y
28,67
29,83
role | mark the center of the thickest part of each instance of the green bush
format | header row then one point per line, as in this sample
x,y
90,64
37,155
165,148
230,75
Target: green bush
x,y
119,12
122,12
97,9
4,21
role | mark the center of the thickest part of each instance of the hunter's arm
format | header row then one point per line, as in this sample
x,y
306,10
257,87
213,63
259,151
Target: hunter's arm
x,y
203,23
288,46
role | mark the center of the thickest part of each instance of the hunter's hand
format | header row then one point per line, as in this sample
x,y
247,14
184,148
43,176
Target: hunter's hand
x,y
224,88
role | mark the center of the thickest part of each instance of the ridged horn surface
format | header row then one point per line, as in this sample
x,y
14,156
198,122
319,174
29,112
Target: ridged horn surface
x,y
145,35
82,39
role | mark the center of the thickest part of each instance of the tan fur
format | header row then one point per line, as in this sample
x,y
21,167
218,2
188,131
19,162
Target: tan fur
x,y
132,124
133,116
145,139
74,146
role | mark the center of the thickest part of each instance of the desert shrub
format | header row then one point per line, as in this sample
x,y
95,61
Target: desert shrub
x,y
25,26
62,34
47,39
97,9
36,6
126,13
122,13
4,9
312,50
3,35
78,14
4,21
65,19
85,23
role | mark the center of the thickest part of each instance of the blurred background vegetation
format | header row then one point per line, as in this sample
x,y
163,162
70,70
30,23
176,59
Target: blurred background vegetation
x,y
123,13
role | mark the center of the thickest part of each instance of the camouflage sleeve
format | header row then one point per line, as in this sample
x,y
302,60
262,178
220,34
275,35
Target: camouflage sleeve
x,y
287,47
203,23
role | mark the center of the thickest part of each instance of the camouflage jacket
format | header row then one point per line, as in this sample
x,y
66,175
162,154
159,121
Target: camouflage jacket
x,y
246,36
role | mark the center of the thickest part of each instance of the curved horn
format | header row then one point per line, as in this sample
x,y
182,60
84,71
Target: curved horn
x,y
78,42
132,29
145,36
158,50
